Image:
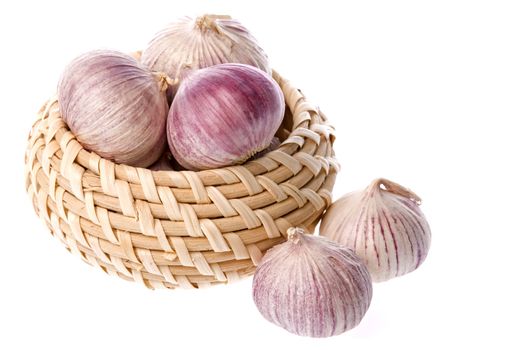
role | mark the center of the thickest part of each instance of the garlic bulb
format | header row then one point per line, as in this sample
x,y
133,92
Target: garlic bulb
x,y
190,44
383,225
115,107
312,286
223,115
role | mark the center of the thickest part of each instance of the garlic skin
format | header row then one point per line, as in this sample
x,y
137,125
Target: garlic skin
x,y
223,115
193,43
312,286
383,225
115,107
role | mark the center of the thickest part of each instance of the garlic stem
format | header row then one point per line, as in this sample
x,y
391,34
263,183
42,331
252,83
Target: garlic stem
x,y
294,234
395,188
208,21
164,81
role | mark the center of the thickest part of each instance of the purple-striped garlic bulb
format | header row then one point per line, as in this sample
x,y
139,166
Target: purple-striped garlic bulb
x,y
223,115
193,43
115,107
312,286
384,225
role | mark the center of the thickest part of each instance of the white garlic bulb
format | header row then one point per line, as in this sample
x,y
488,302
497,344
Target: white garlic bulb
x,y
383,225
190,44
312,286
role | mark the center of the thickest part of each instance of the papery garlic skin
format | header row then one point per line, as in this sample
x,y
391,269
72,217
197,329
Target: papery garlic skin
x,y
223,115
193,43
115,107
384,225
312,286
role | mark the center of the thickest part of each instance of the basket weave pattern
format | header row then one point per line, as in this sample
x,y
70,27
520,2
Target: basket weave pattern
x,y
168,229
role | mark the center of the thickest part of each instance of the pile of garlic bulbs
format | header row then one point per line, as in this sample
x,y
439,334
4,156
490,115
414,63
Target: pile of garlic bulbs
x,y
201,96
203,87
320,286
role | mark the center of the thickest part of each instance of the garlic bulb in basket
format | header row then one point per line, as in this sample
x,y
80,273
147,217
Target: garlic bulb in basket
x,y
383,225
312,286
223,115
115,107
190,44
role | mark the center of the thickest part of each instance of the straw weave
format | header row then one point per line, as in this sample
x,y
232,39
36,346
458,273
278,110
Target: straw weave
x,y
168,229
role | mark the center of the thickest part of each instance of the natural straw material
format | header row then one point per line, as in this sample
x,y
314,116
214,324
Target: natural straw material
x,y
167,229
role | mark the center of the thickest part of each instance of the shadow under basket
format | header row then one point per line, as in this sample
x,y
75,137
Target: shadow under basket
x,y
169,229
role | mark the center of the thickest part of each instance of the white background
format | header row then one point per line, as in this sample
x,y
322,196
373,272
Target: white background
x,y
428,94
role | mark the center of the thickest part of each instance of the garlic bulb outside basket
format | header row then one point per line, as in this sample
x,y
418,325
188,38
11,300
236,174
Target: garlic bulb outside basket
x,y
190,44
312,286
384,225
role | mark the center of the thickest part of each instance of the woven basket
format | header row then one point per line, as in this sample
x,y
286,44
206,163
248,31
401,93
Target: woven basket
x,y
168,229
